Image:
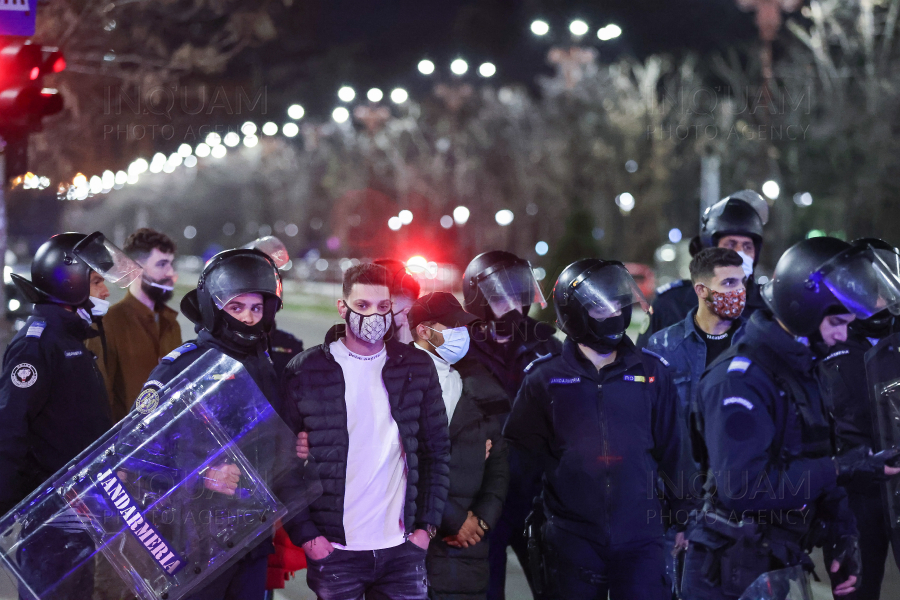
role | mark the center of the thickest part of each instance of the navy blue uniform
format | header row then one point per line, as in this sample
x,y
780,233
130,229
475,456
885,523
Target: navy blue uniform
x,y
768,441
52,406
246,579
601,437
507,362
282,348
842,377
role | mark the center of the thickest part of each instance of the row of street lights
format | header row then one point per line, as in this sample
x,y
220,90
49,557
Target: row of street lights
x,y
579,29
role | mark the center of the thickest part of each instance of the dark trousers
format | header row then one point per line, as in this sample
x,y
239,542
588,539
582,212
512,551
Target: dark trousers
x,y
693,586
580,568
457,573
874,538
244,580
57,564
396,573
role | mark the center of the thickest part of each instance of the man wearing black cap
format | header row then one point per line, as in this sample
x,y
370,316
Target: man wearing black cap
x,y
477,405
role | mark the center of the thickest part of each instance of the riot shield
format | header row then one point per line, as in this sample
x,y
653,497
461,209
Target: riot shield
x,y
786,584
883,377
152,498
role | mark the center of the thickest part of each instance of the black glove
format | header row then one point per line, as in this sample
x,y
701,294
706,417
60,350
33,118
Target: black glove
x,y
846,552
860,462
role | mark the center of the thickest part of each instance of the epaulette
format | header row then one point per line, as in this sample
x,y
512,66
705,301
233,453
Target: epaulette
x,y
655,355
739,364
836,354
541,358
177,352
670,286
36,329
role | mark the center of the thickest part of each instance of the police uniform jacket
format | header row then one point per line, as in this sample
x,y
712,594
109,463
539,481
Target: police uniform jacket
x,y
767,449
601,437
282,348
52,401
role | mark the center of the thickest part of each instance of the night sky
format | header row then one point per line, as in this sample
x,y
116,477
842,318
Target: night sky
x,y
328,43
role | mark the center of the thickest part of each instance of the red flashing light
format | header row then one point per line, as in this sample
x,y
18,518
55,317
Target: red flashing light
x,y
34,73
59,65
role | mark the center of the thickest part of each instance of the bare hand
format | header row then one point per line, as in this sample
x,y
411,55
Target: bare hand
x,y
303,445
318,548
469,534
847,587
487,449
681,543
420,538
222,479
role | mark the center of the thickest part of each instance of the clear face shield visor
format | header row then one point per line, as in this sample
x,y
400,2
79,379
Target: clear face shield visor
x,y
511,287
864,279
242,274
109,261
606,291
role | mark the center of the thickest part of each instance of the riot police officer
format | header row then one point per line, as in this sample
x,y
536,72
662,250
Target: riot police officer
x,y
234,305
601,417
499,288
734,222
53,405
764,437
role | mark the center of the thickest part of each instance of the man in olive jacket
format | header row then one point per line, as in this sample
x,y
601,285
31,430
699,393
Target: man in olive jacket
x,y
373,417
476,406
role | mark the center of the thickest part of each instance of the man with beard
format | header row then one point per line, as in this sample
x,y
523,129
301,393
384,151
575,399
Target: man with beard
x,y
140,329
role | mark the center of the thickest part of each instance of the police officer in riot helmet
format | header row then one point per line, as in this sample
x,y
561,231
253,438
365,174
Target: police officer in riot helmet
x,y
735,222
763,436
234,306
52,404
842,376
601,418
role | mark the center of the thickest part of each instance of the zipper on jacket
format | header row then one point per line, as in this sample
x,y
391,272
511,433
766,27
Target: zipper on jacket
x,y
604,431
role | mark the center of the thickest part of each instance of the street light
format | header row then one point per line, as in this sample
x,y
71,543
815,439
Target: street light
x,y
771,189
248,128
609,32
539,27
405,216
625,201
270,128
504,217
578,27
374,95
296,112
460,215
290,129
459,66
426,67
346,94
399,96
487,70
394,223
232,139
340,114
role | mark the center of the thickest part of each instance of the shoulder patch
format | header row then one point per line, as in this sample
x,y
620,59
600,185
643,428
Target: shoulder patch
x,y
656,356
836,354
564,380
739,364
538,360
24,375
736,400
147,401
36,329
670,286
183,349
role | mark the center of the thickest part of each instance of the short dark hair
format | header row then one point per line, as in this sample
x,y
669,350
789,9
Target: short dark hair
x,y
365,274
141,243
704,263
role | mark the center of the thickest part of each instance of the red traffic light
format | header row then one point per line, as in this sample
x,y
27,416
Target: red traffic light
x,y
23,99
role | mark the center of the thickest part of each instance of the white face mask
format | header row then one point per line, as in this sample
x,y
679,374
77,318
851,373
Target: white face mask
x,y
369,328
455,346
100,306
748,264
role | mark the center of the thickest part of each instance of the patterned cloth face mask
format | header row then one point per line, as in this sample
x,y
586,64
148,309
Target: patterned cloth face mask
x,y
369,328
727,305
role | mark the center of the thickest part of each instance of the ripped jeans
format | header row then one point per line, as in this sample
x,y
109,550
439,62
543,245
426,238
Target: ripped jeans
x,y
396,573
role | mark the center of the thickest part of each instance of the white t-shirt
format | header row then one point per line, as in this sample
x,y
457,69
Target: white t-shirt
x,y
376,467
451,383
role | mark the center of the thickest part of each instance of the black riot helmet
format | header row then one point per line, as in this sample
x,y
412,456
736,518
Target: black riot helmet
x,y
882,323
742,213
227,275
594,300
496,283
824,275
58,275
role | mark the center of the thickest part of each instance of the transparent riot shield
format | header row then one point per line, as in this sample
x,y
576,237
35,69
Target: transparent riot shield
x,y
786,584
183,487
883,377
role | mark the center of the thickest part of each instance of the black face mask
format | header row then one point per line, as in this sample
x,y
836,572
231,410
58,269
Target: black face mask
x,y
607,334
510,325
242,335
158,291
879,325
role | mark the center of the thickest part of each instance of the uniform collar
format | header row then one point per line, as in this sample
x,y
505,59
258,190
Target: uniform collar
x,y
627,356
69,321
763,329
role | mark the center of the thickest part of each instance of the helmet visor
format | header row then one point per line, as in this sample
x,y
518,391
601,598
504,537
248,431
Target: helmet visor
x,y
606,291
864,280
273,247
242,274
758,203
512,287
109,261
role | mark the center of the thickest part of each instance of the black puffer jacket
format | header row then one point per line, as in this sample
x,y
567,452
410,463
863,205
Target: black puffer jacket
x,y
313,392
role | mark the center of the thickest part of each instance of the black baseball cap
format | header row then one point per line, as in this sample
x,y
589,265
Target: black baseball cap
x,y
440,307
